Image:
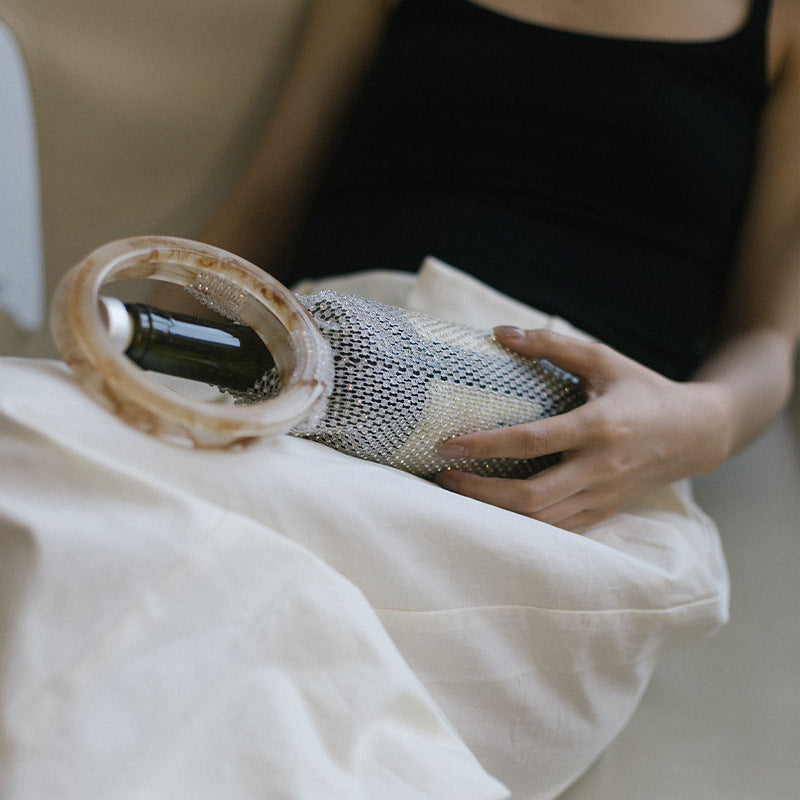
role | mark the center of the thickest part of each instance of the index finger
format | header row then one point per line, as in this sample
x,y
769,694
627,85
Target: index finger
x,y
529,440
583,358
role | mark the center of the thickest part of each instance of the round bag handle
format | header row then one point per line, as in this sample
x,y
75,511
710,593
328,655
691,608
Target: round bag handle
x,y
300,351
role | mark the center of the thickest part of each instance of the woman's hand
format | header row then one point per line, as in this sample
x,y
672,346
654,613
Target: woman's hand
x,y
637,432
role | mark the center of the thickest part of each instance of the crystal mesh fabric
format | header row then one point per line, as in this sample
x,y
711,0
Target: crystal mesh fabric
x,y
405,382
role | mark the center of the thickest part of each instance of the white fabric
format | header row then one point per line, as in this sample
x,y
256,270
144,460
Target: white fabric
x,y
159,644
185,623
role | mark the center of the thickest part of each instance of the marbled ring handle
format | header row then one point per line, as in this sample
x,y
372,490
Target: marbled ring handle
x,y
301,353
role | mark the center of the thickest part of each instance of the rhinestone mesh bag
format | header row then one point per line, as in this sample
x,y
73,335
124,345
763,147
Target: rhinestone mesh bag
x,y
405,382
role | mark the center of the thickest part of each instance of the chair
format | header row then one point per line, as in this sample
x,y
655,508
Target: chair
x,y
21,268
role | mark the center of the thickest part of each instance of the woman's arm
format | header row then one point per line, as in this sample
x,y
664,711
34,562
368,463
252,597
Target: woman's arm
x,y
639,430
336,47
762,312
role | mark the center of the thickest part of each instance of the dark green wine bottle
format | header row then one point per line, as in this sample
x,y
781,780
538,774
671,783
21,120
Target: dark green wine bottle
x,y
219,353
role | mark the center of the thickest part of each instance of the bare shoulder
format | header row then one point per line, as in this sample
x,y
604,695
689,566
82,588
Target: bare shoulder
x,y
784,40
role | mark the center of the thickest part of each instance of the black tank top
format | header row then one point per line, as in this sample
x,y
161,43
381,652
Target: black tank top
x,y
600,179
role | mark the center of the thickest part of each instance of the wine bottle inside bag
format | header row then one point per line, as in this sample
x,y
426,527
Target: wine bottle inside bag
x,y
220,353
403,383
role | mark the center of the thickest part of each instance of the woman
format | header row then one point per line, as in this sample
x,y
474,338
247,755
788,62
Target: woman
x,y
632,166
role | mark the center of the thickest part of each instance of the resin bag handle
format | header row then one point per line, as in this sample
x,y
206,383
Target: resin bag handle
x,y
301,353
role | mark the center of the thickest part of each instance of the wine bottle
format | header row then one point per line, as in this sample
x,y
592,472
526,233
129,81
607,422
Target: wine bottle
x,y
225,354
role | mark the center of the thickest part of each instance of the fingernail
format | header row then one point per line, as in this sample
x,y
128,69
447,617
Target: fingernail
x,y
452,450
508,332
445,479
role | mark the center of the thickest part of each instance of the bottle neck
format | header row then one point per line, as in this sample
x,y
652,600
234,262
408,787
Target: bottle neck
x,y
219,353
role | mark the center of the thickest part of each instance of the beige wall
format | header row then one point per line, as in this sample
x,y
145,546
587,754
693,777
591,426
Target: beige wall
x,y
145,111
